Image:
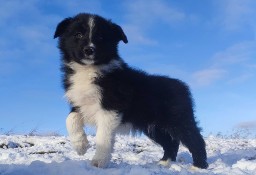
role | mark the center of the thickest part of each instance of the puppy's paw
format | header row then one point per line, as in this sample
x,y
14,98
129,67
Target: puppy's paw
x,y
80,146
194,168
164,162
100,163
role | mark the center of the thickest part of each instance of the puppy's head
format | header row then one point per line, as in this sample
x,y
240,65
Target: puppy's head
x,y
89,39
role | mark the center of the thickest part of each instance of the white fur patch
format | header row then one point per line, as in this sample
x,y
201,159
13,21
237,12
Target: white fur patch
x,y
87,96
87,62
91,25
83,92
77,135
107,122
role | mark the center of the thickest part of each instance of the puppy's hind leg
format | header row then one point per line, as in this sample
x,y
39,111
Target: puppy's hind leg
x,y
193,140
78,138
170,145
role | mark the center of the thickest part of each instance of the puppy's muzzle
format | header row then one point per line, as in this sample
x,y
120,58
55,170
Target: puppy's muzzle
x,y
89,51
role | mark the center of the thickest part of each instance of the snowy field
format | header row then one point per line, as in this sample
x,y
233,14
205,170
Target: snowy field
x,y
36,155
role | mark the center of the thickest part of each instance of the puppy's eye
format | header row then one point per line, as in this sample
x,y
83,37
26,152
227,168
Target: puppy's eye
x,y
79,35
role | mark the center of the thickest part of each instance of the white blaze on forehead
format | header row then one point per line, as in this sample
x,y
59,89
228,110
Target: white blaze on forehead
x,y
91,26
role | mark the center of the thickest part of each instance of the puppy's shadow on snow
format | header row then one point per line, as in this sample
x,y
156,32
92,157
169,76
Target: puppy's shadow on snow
x,y
74,167
231,157
41,168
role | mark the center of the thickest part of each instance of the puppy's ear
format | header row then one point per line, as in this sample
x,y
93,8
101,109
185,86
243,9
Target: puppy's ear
x,y
120,33
62,26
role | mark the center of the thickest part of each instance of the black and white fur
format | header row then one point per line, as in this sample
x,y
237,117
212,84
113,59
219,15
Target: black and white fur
x,y
104,91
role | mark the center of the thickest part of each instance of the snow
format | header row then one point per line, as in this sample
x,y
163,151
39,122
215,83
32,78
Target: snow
x,y
52,155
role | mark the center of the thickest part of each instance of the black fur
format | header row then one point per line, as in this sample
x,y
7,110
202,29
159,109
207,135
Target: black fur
x,y
159,106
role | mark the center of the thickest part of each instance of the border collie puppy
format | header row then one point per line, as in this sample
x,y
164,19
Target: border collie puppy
x,y
104,91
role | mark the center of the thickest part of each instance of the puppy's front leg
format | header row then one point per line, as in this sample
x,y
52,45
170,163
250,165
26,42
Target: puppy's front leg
x,y
107,123
78,138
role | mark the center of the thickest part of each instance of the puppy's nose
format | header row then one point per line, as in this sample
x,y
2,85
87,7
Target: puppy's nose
x,y
89,50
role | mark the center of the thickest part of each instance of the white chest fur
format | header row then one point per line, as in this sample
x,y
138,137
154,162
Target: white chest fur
x,y
83,92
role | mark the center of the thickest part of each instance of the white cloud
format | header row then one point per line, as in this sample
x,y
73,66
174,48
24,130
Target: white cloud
x,y
136,35
236,14
206,77
231,64
236,54
148,12
141,15
166,69
27,29
82,6
241,78
10,9
251,66
247,125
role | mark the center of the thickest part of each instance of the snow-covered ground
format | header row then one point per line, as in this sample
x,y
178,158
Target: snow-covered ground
x,y
35,155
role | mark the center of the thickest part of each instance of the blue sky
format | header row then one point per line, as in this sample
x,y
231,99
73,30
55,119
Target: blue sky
x,y
209,44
